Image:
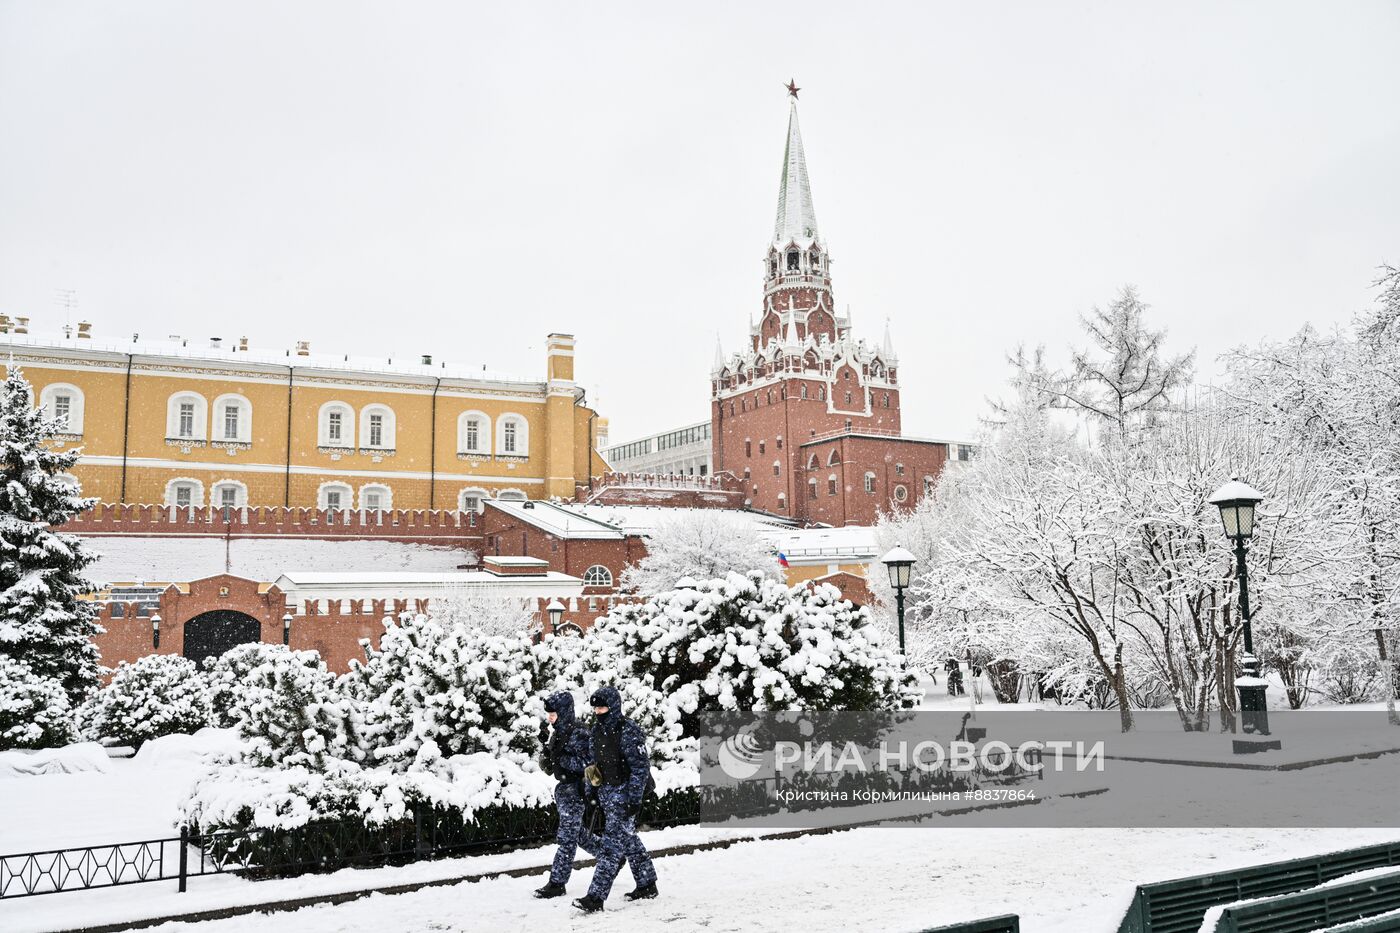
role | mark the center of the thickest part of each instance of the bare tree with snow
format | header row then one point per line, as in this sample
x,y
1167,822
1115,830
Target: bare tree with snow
x,y
701,544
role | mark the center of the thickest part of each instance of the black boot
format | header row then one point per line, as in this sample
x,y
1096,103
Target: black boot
x,y
552,889
643,892
589,904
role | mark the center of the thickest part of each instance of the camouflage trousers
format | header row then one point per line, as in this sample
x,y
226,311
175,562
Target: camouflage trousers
x,y
571,834
619,842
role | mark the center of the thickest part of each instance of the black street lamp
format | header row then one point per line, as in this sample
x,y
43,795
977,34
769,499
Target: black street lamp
x,y
556,613
899,562
155,630
287,629
1237,502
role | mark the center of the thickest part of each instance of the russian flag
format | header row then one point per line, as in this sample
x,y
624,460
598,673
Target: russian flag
x,y
782,559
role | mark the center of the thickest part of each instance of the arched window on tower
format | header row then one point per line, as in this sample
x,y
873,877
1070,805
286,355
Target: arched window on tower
x,y
794,259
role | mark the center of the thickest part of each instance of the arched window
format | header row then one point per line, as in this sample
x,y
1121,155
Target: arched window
x,y
812,462
228,494
474,433
377,427
512,436
833,459
337,425
777,468
470,499
185,416
63,403
376,497
831,485
570,629
812,488
782,501
821,393
184,492
793,259
233,419
804,390
869,482
511,495
334,497
928,484
597,575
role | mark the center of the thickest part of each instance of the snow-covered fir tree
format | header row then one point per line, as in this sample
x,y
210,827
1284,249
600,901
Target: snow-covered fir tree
x,y
700,544
292,714
160,694
227,676
43,623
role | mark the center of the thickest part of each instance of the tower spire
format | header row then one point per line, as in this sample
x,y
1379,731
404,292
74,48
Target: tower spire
x,y
797,219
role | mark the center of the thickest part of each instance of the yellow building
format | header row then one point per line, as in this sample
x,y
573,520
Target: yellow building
x,y
180,423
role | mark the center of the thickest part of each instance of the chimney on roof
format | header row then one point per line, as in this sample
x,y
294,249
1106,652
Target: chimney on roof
x,y
21,325
243,344
427,359
84,330
303,348
216,343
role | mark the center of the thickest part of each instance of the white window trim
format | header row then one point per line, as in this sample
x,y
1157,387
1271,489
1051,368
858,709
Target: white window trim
x,y
483,437
870,479
240,499
476,491
201,416
512,495
608,573
522,435
390,427
245,418
381,488
196,496
75,405
347,501
347,425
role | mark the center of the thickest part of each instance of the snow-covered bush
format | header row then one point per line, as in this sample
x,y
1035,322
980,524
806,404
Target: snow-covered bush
x,y
160,694
34,711
699,544
749,642
291,713
227,676
434,689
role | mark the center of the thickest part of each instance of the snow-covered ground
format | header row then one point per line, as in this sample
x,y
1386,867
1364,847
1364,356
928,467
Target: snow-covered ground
x,y
905,878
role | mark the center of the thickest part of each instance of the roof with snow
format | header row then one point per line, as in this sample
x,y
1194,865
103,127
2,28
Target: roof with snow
x,y
203,351
643,519
390,584
126,559
847,544
561,521
797,218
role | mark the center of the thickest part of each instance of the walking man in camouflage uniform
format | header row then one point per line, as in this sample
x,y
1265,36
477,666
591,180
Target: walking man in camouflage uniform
x,y
566,756
623,773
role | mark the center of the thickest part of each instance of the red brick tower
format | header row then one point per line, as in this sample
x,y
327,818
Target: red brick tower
x,y
803,379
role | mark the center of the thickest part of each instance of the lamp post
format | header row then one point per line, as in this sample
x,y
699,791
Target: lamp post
x,y
899,562
155,630
1236,502
287,628
556,612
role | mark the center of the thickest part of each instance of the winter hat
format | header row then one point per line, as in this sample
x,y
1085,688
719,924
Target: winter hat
x,y
606,696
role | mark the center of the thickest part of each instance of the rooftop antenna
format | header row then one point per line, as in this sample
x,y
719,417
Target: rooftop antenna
x,y
67,299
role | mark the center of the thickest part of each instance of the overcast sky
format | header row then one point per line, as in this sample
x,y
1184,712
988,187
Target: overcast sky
x,y
462,179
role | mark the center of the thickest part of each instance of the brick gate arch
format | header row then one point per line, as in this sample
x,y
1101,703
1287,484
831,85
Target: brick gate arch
x,y
218,630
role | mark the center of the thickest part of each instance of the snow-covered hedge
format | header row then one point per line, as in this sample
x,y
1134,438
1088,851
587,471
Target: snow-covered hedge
x,y
747,642
34,711
227,676
161,694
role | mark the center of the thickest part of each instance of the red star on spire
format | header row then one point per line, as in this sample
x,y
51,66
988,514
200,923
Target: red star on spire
x,y
792,88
